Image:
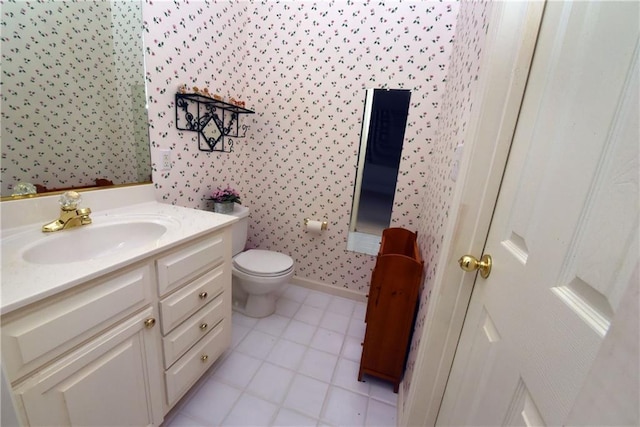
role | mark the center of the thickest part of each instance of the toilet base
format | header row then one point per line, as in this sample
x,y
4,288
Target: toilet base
x,y
257,306
260,305
257,296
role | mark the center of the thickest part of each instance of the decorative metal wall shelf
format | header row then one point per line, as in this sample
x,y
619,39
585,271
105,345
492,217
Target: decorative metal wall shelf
x,y
212,119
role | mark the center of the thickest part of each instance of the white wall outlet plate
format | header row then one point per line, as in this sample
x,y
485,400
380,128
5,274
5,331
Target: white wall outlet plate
x,y
165,159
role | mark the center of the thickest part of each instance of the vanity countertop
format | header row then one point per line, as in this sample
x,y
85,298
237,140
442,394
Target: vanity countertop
x,y
24,282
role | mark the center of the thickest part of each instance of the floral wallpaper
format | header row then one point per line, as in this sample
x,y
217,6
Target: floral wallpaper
x,y
457,103
71,121
303,67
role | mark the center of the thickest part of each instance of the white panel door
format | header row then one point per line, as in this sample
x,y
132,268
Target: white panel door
x,y
564,236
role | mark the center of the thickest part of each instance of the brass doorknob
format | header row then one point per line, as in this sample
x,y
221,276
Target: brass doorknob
x,y
471,263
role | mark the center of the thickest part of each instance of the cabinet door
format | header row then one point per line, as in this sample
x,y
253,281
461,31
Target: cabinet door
x,y
113,380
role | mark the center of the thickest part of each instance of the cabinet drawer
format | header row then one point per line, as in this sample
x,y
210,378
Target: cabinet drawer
x,y
178,267
196,361
186,301
41,333
184,336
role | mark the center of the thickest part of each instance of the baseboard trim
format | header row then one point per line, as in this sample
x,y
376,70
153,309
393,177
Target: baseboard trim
x,y
330,289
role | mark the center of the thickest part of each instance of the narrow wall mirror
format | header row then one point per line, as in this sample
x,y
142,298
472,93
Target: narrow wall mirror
x,y
73,95
381,139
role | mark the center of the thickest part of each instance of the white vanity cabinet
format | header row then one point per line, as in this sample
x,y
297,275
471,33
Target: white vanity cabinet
x,y
88,356
123,348
111,380
194,283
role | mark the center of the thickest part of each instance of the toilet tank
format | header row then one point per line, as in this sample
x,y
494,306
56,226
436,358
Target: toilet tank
x,y
239,229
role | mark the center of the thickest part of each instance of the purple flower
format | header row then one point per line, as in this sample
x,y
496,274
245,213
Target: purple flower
x,y
225,195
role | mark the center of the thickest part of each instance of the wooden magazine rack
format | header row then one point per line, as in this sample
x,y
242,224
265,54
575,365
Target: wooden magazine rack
x,y
393,297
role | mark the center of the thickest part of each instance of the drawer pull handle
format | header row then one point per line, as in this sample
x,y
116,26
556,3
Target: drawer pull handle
x,y
204,358
203,295
204,326
149,323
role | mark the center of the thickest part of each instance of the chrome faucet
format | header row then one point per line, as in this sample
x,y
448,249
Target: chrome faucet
x,y
70,215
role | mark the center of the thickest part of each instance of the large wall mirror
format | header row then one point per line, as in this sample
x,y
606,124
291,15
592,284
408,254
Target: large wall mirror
x,y
383,127
73,94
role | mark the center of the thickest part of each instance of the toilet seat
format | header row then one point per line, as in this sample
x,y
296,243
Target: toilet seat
x,y
262,263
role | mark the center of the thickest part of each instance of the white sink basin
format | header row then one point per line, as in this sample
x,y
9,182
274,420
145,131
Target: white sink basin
x,y
92,241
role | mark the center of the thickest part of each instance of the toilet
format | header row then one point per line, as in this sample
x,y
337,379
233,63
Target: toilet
x,y
257,275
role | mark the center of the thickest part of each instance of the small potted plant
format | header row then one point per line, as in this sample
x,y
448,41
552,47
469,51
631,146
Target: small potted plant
x,y
223,199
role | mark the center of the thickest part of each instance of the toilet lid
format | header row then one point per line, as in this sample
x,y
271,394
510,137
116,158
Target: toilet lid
x,y
259,262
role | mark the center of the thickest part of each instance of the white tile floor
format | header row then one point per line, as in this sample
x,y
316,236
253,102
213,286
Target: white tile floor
x,y
298,367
